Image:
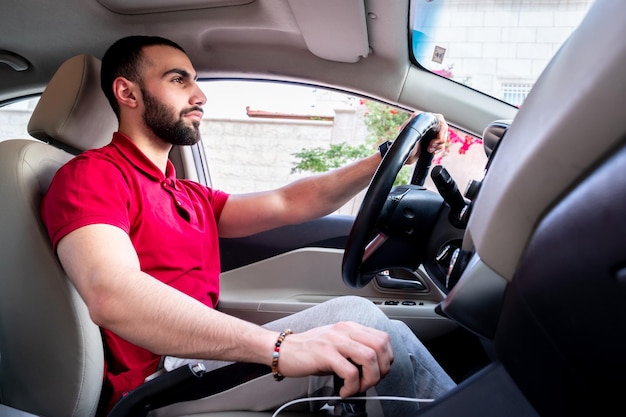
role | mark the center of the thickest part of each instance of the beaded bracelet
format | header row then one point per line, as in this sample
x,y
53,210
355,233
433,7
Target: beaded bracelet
x,y
281,337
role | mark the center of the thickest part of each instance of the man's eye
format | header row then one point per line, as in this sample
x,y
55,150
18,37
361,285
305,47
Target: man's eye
x,y
178,80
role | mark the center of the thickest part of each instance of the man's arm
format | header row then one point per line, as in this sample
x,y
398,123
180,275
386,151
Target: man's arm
x,y
103,265
308,198
297,202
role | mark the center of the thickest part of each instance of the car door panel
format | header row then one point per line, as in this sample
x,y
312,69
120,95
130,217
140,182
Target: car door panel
x,y
277,273
326,232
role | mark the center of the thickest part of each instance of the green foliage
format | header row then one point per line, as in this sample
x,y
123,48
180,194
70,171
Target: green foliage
x,y
404,176
322,160
383,123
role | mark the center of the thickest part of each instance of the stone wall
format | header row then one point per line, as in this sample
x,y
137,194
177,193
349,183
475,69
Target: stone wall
x,y
13,124
489,46
258,154
247,155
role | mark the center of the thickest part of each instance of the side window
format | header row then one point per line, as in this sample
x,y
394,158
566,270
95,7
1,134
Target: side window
x,y
14,119
261,135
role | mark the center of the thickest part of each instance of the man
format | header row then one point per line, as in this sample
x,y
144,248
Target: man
x,y
141,246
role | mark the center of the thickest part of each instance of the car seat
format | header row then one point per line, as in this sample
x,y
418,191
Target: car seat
x,y
51,353
51,359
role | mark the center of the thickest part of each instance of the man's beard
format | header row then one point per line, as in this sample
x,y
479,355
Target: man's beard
x,y
159,118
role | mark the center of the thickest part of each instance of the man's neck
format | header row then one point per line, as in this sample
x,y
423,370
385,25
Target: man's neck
x,y
155,148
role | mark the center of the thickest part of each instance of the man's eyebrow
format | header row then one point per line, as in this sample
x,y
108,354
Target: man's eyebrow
x,y
181,72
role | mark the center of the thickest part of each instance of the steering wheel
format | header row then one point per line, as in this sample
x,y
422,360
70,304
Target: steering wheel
x,y
423,127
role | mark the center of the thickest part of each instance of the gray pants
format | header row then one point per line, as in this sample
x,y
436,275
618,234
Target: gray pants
x,y
414,372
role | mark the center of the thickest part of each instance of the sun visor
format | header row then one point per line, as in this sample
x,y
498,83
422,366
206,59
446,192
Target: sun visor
x,y
159,6
340,35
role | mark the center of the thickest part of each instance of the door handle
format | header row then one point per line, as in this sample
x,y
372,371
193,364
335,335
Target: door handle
x,y
384,280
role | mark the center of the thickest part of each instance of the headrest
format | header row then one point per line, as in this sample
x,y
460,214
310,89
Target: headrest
x,y
73,111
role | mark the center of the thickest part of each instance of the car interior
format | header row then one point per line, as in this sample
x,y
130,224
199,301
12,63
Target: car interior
x,y
518,285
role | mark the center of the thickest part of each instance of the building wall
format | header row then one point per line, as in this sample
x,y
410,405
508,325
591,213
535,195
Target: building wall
x,y
491,45
258,154
13,124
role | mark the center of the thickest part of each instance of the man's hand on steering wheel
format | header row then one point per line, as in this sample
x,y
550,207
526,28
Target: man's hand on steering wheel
x,y
437,144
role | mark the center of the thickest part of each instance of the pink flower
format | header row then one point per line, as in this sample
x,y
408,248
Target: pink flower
x,y
444,72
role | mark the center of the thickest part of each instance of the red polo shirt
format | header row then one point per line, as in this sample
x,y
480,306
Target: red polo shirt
x,y
172,224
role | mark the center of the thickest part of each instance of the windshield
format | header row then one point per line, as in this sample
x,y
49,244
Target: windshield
x,y
499,47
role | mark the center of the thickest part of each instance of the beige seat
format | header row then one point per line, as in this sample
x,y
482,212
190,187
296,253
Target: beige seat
x,y
51,355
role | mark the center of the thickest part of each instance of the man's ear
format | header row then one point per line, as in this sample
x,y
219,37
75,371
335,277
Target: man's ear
x,y
126,92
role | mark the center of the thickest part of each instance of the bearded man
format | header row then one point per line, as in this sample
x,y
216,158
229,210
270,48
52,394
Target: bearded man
x,y
141,247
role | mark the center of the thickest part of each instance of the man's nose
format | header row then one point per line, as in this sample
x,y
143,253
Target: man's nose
x,y
198,99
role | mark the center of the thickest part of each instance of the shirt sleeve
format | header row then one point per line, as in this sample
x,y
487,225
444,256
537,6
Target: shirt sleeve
x,y
85,191
218,200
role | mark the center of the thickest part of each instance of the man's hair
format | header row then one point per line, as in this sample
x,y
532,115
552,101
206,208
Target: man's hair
x,y
124,59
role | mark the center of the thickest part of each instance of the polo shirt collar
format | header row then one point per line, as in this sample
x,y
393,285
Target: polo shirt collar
x,y
137,158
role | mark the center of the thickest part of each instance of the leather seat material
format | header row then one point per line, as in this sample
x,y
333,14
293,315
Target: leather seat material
x,y
51,353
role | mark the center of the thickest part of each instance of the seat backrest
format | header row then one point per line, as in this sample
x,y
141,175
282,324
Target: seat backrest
x,y
51,354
